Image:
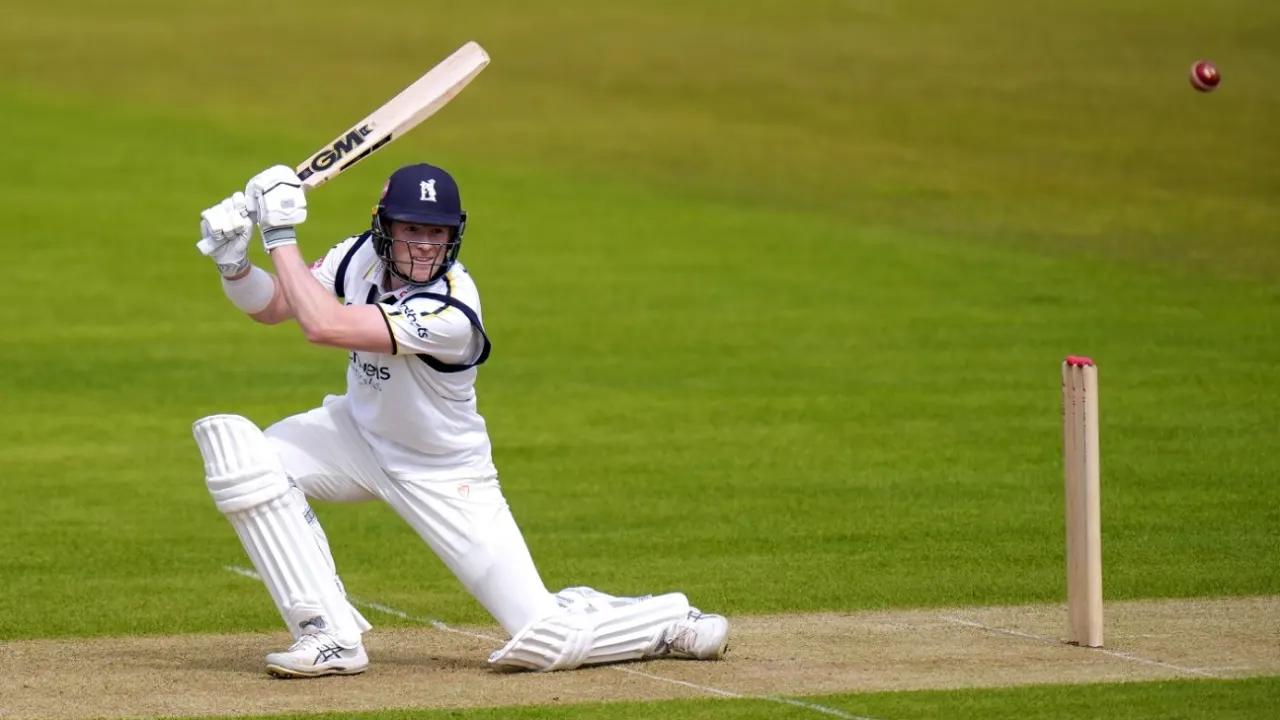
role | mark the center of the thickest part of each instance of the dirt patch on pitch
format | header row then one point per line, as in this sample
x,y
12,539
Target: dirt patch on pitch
x,y
779,655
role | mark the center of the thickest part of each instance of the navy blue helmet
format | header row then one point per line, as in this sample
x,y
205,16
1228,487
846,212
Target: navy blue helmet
x,y
422,194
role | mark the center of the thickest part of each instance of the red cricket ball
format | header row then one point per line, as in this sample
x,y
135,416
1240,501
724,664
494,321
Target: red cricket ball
x,y
1204,76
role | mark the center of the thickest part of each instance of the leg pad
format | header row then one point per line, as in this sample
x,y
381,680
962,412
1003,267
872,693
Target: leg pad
x,y
273,522
593,628
240,467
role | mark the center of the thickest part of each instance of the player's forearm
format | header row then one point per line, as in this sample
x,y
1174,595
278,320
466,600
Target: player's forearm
x,y
256,293
276,312
323,319
318,313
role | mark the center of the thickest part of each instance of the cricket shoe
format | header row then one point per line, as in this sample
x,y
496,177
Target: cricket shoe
x,y
700,636
317,654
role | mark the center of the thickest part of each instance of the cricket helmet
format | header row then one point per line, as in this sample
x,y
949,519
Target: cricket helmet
x,y
422,194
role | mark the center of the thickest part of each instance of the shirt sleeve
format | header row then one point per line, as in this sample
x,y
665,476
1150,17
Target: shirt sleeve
x,y
325,270
423,326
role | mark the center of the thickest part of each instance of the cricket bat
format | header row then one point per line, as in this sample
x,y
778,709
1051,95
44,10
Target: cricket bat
x,y
398,116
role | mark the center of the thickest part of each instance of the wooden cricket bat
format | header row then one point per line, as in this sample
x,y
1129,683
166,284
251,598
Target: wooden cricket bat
x,y
398,116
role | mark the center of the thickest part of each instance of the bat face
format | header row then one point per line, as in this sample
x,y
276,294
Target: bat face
x,y
400,114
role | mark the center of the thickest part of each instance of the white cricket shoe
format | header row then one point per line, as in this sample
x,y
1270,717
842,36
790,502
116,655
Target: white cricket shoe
x,y
700,636
317,654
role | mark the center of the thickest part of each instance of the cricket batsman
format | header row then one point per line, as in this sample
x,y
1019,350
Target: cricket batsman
x,y
407,432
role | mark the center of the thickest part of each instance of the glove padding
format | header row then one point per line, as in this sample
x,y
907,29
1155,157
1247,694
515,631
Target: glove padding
x,y
225,230
276,202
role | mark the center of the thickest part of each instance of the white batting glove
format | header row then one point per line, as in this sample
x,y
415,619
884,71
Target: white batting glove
x,y
225,230
277,204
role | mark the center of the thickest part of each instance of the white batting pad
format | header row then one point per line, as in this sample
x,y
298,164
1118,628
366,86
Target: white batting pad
x,y
633,631
272,521
239,466
593,628
322,542
560,642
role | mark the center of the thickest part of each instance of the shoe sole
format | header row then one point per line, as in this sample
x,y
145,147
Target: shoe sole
x,y
284,673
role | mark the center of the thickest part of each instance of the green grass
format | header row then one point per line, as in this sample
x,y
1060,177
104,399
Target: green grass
x,y
1191,699
705,412
778,295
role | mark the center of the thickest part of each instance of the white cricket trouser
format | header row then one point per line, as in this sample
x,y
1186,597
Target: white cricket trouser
x,y
466,522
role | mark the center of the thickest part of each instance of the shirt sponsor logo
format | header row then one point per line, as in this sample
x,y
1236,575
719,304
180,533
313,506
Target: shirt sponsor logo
x,y
368,373
416,322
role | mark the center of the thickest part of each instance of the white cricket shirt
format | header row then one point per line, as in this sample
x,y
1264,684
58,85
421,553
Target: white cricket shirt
x,y
417,406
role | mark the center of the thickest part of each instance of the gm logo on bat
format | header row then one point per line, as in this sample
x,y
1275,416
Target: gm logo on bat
x,y
335,152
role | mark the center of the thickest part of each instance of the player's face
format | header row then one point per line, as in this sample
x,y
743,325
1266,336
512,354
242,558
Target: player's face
x,y
418,249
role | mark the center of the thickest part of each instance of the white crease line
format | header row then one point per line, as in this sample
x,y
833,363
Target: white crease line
x,y
818,708
1149,661
713,691
246,572
727,693
1104,651
440,625
243,572
1015,633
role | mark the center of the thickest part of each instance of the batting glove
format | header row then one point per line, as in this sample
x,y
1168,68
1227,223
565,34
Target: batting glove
x,y
225,230
277,204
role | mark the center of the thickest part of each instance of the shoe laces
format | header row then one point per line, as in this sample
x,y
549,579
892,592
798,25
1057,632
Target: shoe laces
x,y
311,641
684,633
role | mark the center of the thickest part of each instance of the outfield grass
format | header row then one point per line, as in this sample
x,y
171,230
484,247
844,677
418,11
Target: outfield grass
x,y
1189,700
778,296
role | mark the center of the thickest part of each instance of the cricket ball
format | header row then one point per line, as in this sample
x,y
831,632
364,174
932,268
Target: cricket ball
x,y
1204,76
